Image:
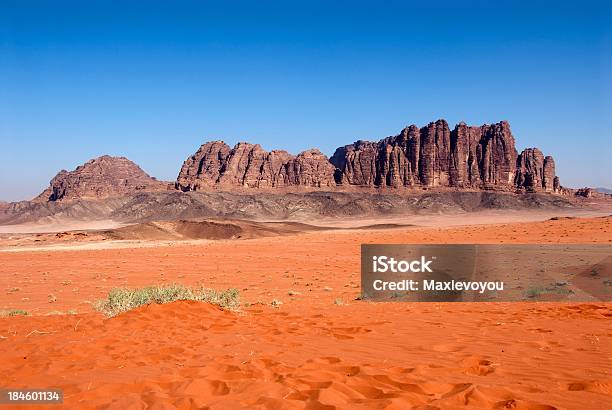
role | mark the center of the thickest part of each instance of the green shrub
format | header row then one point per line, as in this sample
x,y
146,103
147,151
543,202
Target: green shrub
x,y
14,312
122,299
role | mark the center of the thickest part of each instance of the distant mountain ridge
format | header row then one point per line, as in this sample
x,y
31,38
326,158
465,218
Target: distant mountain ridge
x,y
431,169
467,157
464,158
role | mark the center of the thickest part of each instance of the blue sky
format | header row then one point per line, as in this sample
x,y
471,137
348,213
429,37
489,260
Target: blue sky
x,y
154,80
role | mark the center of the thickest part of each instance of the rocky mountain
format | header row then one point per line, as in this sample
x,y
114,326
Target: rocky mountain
x,y
481,157
249,165
587,192
466,157
466,168
101,177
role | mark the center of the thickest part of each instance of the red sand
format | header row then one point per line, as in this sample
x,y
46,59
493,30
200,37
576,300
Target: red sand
x,y
310,352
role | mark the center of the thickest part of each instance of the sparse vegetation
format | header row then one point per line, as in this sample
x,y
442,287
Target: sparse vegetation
x,y
339,302
14,312
535,293
276,303
122,300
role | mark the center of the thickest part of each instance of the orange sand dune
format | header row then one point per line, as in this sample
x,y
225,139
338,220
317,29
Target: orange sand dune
x,y
192,355
319,349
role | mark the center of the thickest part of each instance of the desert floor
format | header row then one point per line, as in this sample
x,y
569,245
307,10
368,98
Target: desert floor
x,y
320,348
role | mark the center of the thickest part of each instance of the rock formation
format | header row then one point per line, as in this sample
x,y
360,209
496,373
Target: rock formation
x,y
249,165
310,168
482,157
202,168
466,157
585,192
356,163
536,172
101,177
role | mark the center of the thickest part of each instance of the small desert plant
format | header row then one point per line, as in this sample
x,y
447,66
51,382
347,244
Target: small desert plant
x,y
338,302
122,300
276,303
14,312
535,293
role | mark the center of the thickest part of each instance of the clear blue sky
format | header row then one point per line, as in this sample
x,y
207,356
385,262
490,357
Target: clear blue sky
x,y
153,81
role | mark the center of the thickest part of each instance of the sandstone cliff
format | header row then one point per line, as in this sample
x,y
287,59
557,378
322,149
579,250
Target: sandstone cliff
x,y
101,177
432,156
466,157
536,172
482,157
249,165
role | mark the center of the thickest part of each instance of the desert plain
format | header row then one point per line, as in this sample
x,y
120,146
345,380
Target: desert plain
x,y
301,338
